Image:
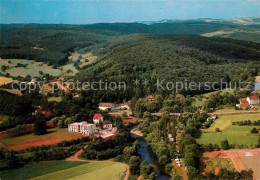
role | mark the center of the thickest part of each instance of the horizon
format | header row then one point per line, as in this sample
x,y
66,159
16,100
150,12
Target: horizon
x,y
141,22
79,12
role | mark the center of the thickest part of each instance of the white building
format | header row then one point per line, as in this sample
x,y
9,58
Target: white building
x,y
82,127
106,106
254,99
107,125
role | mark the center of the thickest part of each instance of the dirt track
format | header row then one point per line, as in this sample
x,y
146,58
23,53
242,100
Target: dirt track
x,y
75,157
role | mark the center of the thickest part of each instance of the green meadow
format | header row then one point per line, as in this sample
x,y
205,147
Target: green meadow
x,y
238,135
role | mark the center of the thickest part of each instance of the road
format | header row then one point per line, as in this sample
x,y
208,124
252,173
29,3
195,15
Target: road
x,y
179,114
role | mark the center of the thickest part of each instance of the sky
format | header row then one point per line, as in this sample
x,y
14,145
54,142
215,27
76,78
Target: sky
x,y
97,11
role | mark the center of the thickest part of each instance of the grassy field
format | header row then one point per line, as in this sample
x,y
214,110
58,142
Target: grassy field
x,y
225,121
239,135
33,70
69,67
5,80
38,169
56,99
54,136
93,171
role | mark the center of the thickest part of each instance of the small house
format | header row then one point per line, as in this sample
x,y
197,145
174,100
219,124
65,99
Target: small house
x,y
107,125
97,118
254,99
106,106
243,103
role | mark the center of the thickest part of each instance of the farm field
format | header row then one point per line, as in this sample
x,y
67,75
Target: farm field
x,y
225,121
12,91
69,67
54,136
93,171
38,169
5,80
238,135
34,68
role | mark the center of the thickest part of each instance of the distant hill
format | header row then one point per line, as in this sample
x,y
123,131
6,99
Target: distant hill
x,y
52,43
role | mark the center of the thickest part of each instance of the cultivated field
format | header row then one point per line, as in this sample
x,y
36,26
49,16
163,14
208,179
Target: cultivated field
x,y
93,171
38,169
242,159
53,136
238,135
5,80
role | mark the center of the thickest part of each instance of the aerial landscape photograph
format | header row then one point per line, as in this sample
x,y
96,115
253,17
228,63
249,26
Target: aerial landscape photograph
x,y
130,89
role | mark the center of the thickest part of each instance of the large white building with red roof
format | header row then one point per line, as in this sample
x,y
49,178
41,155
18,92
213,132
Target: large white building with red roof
x,y
254,99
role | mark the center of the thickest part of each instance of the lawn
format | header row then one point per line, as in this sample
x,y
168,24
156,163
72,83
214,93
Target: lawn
x,y
38,169
93,171
54,136
5,80
56,99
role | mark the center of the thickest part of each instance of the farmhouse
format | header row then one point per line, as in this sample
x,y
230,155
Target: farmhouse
x,y
150,97
106,106
254,99
107,125
82,127
243,104
97,118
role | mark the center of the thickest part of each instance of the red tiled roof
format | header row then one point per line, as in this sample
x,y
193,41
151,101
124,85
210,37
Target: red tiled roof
x,y
97,116
244,103
253,97
150,97
38,110
105,104
48,113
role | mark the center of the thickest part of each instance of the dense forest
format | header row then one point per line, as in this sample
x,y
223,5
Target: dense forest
x,y
171,58
52,43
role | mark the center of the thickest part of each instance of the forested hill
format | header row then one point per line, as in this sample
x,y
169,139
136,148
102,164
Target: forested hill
x,y
174,58
52,43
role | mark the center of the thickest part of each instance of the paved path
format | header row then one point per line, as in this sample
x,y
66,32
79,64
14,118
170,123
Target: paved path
x,y
75,157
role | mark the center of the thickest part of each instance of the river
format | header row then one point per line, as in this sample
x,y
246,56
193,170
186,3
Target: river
x,y
147,155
